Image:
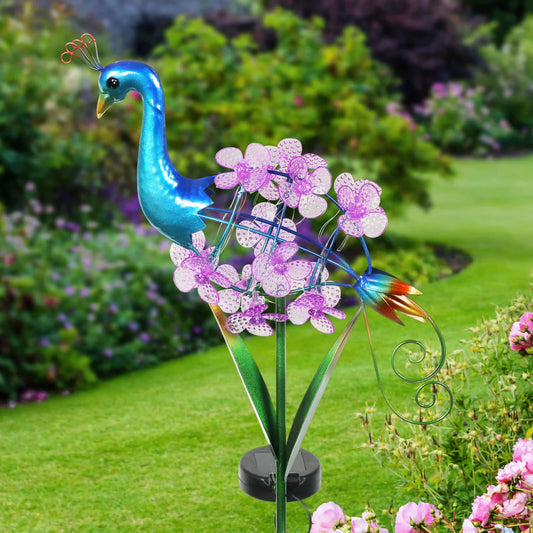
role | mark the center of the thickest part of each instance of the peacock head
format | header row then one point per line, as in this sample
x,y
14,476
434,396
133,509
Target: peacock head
x,y
116,79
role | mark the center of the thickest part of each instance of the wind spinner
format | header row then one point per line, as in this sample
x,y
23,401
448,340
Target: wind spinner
x,y
288,280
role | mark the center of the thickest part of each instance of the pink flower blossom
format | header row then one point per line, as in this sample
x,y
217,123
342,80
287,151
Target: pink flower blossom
x,y
316,305
468,527
521,448
289,149
251,170
359,525
413,517
360,200
253,318
515,505
510,471
247,236
305,190
230,299
481,509
276,273
328,516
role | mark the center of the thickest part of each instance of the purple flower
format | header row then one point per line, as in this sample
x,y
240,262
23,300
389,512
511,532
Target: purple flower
x,y
304,191
230,299
113,309
316,305
360,200
289,149
251,170
198,273
253,318
69,291
249,237
178,253
275,272
133,326
108,352
44,342
144,337
84,292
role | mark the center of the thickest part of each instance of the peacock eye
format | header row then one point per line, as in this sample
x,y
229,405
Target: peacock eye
x,y
112,83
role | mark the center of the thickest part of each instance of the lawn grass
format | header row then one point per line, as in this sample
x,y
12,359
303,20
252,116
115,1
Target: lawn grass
x,y
158,450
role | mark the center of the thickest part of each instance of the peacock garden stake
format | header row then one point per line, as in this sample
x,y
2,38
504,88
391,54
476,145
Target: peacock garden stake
x,y
276,188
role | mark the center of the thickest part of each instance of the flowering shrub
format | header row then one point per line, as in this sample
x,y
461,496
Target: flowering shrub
x,y
521,335
461,120
77,303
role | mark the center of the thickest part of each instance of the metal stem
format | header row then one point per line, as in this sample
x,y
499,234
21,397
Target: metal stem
x,y
281,461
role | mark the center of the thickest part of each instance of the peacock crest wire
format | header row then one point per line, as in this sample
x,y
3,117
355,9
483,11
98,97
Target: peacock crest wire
x,y
84,50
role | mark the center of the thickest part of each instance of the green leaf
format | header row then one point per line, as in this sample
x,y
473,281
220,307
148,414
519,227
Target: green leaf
x,y
314,393
251,378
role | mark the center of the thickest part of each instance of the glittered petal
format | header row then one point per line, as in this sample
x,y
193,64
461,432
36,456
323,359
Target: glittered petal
x,y
178,253
227,180
359,184
261,266
344,180
228,157
336,313
312,206
261,330
315,161
229,271
270,191
299,269
298,314
246,237
208,293
320,179
346,197
274,157
311,300
220,279
276,285
198,240
257,155
246,272
257,178
298,169
237,322
290,225
350,226
229,300
185,279
288,149
322,324
369,195
198,264
288,195
375,223
264,210
285,251
331,294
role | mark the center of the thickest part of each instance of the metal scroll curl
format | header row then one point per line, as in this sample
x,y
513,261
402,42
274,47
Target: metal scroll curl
x,y
426,394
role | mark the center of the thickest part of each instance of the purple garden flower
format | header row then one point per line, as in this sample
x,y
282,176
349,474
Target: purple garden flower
x,y
276,273
289,149
251,170
360,199
316,305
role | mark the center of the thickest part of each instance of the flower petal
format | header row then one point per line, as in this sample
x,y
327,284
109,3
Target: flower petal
x,y
288,194
285,251
220,279
299,269
257,155
228,157
246,237
350,226
257,178
369,195
276,317
344,180
269,191
346,197
298,169
331,294
323,324
298,314
276,285
261,330
312,206
229,300
237,322
375,223
208,293
229,271
185,279
226,180
288,149
261,266
320,179
315,161
336,313
178,253
360,183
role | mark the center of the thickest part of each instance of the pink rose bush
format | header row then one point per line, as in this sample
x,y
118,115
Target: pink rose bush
x,y
505,507
521,335
296,186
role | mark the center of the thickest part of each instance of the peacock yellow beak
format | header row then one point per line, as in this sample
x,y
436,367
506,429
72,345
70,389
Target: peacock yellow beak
x,y
105,101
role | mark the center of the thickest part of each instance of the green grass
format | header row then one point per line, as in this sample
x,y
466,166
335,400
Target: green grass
x,y
158,450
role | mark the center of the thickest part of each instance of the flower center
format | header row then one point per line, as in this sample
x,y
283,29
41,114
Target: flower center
x,y
201,278
359,210
280,268
316,313
242,168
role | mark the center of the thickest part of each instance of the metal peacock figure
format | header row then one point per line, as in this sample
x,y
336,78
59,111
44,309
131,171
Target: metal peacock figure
x,y
281,187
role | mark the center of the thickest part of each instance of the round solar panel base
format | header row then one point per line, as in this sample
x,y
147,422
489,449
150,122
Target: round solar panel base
x,y
257,469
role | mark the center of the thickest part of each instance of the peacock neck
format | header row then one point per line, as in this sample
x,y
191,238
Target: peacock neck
x,y
153,154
